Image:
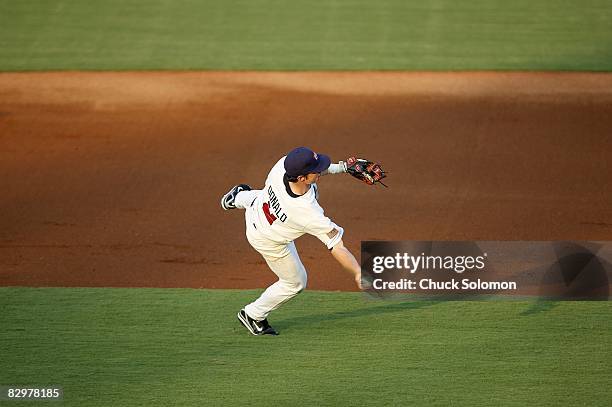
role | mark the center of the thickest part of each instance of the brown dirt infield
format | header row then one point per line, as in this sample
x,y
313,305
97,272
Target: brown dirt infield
x,y
114,179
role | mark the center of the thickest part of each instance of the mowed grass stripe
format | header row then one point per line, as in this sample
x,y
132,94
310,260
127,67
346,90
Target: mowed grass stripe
x,y
306,35
135,347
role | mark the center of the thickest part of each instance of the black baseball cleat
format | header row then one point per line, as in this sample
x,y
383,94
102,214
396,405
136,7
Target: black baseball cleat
x,y
256,327
227,202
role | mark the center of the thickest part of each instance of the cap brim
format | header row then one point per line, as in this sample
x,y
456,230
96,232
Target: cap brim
x,y
323,163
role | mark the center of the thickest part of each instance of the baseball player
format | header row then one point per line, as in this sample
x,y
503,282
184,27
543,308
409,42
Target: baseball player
x,y
285,209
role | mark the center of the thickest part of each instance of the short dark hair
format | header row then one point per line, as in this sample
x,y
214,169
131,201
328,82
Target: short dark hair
x,y
292,178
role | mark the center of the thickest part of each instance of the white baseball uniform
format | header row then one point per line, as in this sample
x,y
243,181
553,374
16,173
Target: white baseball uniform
x,y
275,217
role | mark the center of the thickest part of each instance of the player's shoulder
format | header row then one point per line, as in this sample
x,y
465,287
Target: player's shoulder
x,y
279,167
277,172
310,204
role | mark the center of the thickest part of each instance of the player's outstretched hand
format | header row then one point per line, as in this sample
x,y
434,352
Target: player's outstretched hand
x,y
365,170
358,281
347,261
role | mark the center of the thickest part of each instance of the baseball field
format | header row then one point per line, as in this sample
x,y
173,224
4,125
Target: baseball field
x,y
123,123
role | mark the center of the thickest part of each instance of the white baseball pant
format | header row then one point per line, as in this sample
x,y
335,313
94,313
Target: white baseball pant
x,y
289,269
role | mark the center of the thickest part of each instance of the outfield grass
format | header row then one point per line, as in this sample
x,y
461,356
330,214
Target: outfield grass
x,y
306,35
136,347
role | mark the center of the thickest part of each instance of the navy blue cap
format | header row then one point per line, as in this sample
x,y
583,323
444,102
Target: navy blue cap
x,y
304,161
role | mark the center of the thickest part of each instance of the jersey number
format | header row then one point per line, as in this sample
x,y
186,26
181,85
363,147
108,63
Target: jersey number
x,y
266,209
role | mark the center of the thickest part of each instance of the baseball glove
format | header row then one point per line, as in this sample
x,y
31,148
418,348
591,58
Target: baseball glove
x,y
365,170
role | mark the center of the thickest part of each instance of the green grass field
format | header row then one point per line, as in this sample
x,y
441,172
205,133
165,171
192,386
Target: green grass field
x,y
137,347
306,35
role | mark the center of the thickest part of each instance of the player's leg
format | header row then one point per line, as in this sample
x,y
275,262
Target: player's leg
x,y
292,280
244,199
228,200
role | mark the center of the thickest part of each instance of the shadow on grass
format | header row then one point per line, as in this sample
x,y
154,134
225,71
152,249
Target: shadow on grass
x,y
540,306
307,320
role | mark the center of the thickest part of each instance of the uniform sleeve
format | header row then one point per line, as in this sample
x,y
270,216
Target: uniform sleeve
x,y
339,168
325,230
